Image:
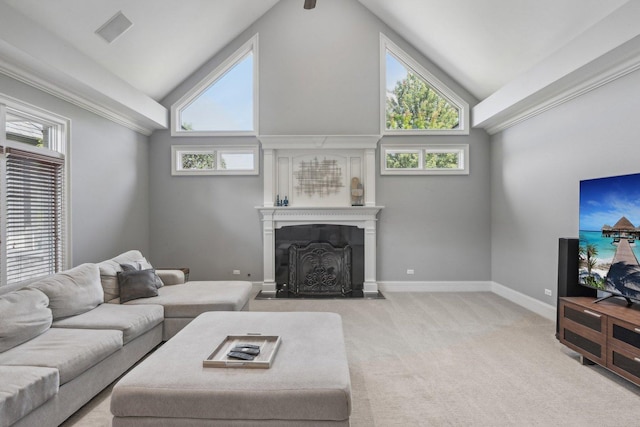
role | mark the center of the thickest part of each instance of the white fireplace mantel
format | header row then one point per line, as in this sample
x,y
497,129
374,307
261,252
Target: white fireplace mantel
x,y
364,217
355,156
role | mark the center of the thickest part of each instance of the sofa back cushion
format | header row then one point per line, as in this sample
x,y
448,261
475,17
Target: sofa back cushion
x,y
23,315
72,292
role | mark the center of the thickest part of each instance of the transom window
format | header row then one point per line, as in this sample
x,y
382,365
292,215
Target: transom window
x,y
34,213
414,101
425,159
223,103
214,160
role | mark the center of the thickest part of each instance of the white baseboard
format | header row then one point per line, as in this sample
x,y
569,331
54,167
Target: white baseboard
x,y
435,286
545,310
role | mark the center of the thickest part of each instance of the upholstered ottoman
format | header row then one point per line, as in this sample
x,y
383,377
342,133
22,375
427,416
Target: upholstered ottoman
x,y
307,384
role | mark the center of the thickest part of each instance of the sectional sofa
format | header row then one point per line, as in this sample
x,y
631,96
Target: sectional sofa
x,y
65,338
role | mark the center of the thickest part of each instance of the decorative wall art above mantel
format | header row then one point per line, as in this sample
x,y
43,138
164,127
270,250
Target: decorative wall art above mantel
x,y
317,171
320,178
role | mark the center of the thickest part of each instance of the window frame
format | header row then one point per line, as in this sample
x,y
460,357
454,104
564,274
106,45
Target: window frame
x,y
250,47
178,150
386,45
60,150
461,149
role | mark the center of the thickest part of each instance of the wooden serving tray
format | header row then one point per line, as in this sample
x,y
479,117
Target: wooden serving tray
x,y
268,347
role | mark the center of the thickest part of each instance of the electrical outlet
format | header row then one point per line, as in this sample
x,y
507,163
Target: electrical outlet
x,y
410,271
548,292
236,271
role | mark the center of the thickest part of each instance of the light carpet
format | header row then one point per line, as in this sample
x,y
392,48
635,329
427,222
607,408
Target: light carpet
x,y
455,359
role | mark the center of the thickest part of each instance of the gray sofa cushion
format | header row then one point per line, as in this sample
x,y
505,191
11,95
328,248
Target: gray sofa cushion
x,y
72,292
23,315
193,298
23,389
109,270
133,320
70,351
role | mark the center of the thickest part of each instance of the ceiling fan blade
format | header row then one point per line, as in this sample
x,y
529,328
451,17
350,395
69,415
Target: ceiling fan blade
x,y
309,4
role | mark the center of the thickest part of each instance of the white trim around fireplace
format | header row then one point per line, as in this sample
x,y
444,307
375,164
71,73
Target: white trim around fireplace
x,y
364,217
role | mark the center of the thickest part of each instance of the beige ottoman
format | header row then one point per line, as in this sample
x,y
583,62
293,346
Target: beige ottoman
x,y
307,384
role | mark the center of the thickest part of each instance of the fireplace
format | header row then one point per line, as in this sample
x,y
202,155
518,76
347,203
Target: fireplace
x,y
316,175
319,269
318,260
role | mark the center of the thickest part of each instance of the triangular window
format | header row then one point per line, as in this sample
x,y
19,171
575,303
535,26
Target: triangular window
x,y
414,101
225,102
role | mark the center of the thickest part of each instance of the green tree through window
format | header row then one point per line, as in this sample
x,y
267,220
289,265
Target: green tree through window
x,y
198,161
412,104
402,160
441,160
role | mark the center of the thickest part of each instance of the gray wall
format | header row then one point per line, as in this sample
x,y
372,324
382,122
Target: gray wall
x,y
536,170
319,74
109,179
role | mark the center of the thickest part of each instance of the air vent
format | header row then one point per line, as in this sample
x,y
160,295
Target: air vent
x,y
114,27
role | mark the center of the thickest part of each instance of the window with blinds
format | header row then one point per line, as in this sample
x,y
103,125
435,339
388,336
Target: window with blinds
x,y
34,215
33,199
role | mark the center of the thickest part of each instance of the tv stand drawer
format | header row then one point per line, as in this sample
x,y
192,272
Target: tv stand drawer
x,y
624,363
624,335
583,331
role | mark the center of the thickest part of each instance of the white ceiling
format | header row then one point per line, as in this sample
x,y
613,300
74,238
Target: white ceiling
x,y
483,44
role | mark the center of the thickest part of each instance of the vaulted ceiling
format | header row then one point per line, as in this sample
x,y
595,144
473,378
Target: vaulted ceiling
x,y
481,43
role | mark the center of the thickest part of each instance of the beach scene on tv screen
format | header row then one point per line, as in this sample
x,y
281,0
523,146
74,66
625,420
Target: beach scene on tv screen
x,y
609,234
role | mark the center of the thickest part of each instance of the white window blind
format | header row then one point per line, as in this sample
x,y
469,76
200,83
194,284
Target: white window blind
x,y
34,196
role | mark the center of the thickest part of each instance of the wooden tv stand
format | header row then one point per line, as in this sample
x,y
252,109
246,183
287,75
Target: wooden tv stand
x,y
606,333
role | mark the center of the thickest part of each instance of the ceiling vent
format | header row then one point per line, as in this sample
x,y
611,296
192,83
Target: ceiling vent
x,y
114,27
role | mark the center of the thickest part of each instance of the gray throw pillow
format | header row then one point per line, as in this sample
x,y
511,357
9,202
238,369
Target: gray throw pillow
x,y
24,314
136,284
137,266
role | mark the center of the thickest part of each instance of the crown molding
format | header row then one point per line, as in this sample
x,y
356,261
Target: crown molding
x,y
563,91
46,86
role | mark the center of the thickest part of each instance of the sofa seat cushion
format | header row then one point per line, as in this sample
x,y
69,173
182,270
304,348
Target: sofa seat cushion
x,y
23,389
73,291
70,351
133,320
24,314
193,298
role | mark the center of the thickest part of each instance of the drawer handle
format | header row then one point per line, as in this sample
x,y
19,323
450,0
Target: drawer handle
x,y
637,330
637,359
591,313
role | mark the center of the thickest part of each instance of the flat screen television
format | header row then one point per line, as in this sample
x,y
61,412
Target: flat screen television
x,y
610,234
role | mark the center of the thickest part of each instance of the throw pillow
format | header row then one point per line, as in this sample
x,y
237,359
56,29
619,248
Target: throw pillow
x,y
139,265
136,284
109,272
73,291
23,315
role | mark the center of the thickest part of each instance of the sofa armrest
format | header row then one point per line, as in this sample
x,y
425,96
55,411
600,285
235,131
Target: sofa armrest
x,y
171,277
